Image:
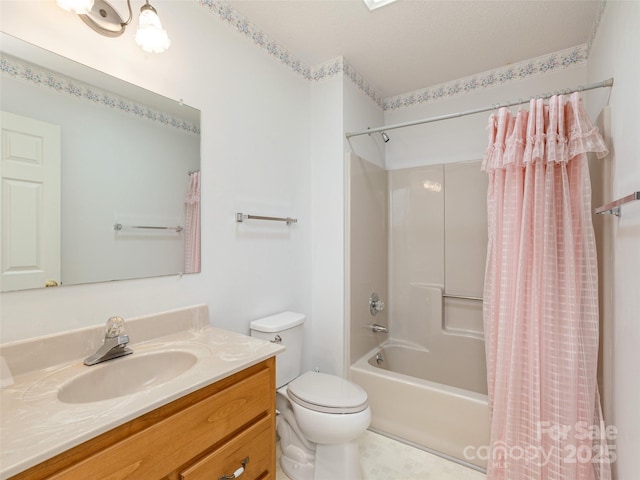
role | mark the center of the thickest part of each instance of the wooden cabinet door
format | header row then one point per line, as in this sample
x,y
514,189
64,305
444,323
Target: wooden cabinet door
x,y
248,455
166,446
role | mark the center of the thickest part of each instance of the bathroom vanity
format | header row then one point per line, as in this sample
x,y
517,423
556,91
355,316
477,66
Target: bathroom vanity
x,y
214,420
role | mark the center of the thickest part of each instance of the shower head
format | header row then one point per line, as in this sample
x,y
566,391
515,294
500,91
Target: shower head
x,y
385,137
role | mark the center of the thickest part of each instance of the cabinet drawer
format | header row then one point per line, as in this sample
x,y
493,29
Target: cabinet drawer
x,y
256,446
163,447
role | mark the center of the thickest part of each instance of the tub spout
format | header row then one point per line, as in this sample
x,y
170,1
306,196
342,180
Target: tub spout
x,y
379,328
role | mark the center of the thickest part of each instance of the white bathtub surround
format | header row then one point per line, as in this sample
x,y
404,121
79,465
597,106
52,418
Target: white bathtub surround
x,y
420,363
368,247
416,234
433,415
426,228
383,458
437,239
36,426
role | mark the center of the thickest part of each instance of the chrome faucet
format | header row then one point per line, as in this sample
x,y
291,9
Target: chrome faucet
x,y
379,328
114,344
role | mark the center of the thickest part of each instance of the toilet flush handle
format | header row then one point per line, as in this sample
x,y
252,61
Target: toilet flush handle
x,y
277,339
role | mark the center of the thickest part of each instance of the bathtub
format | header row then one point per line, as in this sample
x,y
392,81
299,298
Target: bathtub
x,y
408,403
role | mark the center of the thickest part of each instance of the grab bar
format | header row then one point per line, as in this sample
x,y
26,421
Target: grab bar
x,y
119,226
615,207
240,217
463,297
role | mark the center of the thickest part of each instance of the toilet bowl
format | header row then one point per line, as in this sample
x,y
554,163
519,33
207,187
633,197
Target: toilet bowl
x,y
320,416
319,427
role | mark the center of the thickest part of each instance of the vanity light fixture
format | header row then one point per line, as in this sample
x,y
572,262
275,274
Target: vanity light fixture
x,y
151,37
104,19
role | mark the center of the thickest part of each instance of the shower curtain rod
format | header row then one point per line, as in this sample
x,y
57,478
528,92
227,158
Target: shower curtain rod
x,y
593,86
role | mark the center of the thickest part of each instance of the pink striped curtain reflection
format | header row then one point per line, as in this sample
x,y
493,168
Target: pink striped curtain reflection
x,y
540,295
192,226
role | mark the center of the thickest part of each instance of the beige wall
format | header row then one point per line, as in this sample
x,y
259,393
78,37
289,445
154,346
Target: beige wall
x,y
367,244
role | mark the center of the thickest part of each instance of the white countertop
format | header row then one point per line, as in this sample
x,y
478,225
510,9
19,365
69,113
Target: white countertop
x,y
35,425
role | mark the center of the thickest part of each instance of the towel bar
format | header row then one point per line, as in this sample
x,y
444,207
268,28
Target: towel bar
x,y
240,217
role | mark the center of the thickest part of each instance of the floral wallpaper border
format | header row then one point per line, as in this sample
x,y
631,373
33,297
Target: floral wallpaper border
x,y
537,66
518,71
234,19
340,66
324,71
596,24
41,77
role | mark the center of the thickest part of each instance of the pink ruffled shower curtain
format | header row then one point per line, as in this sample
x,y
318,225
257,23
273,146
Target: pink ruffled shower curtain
x,y
192,226
540,295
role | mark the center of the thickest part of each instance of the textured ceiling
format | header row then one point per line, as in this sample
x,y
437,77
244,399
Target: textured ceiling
x,y
412,44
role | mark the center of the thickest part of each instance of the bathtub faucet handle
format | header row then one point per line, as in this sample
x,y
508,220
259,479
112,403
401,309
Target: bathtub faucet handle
x,y
375,304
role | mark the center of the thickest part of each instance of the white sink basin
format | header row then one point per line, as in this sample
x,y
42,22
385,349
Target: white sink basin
x,y
126,375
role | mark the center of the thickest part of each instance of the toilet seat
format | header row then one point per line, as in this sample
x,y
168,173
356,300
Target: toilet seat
x,y
327,394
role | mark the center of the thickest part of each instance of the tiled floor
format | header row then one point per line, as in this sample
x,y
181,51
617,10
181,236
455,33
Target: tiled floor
x,y
386,459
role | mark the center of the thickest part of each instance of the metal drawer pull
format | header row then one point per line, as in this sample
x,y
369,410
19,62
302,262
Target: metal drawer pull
x,y
238,472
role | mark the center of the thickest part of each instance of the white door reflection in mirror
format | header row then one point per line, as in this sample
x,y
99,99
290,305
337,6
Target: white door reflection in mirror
x,y
30,171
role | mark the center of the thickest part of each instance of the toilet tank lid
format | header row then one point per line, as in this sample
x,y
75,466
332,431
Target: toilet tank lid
x,y
278,322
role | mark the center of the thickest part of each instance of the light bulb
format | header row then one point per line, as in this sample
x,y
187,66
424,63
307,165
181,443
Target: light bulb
x,y
80,7
150,36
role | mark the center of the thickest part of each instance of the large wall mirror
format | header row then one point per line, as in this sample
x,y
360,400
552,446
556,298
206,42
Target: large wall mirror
x,y
100,178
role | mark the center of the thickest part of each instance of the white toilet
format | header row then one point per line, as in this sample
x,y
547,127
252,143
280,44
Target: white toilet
x,y
321,416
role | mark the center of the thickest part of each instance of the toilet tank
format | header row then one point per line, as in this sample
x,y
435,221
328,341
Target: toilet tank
x,y
287,327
